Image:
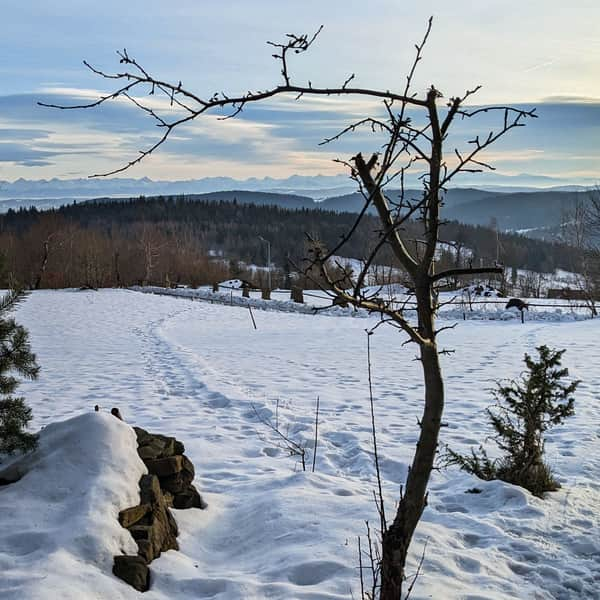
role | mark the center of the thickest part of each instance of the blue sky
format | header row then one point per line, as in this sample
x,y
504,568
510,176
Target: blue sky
x,y
545,54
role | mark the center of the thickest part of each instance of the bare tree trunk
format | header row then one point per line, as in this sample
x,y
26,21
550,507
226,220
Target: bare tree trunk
x,y
117,272
46,255
397,538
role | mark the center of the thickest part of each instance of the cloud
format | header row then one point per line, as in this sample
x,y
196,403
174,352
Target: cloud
x,y
13,134
24,155
276,138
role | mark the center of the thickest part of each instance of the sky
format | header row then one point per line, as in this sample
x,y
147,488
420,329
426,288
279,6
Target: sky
x,y
529,54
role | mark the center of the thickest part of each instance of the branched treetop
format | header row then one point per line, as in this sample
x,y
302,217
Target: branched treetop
x,y
407,145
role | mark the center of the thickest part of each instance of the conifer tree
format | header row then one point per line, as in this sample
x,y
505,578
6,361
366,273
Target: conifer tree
x,y
16,359
527,408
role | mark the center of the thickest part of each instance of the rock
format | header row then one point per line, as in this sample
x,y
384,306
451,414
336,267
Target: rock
x,y
150,451
130,516
141,435
145,550
178,483
140,532
189,498
153,445
151,524
188,466
163,532
165,466
115,412
168,498
150,492
133,570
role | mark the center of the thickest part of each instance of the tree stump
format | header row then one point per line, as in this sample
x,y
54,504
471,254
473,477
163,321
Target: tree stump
x,y
297,295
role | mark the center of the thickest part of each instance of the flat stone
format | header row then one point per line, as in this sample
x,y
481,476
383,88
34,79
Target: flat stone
x,y
150,492
146,550
142,435
150,451
130,516
163,534
163,467
140,532
178,483
154,445
133,570
189,498
188,466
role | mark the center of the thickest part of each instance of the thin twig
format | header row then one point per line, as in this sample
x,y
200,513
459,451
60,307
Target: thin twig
x,y
380,503
316,435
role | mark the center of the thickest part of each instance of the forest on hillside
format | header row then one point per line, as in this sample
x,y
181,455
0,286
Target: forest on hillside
x,y
168,240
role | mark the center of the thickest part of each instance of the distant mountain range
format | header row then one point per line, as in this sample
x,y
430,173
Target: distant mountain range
x,y
317,187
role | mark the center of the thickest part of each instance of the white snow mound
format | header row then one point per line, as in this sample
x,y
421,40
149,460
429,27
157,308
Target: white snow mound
x,y
60,527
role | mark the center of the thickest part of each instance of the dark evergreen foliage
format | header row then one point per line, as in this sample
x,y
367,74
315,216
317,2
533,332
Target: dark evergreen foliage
x,y
527,408
16,359
88,239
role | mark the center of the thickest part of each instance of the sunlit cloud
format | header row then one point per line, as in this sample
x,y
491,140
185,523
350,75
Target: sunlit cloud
x,y
275,139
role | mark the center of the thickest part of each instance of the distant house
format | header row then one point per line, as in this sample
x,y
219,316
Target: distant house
x,y
567,294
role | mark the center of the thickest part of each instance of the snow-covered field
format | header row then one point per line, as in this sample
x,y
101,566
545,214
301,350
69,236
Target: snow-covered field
x,y
195,370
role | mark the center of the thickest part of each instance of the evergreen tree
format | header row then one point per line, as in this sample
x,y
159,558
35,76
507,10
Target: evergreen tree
x,y
16,358
527,408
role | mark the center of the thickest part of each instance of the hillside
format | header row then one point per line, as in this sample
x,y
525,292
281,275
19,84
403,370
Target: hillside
x,y
453,197
99,244
517,211
536,213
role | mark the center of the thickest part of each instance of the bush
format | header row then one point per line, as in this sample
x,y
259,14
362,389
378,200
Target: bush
x,y
16,358
526,409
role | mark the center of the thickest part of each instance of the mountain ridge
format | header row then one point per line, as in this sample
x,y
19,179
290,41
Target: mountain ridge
x,y
317,187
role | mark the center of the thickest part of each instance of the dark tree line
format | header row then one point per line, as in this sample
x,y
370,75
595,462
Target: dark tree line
x,y
172,239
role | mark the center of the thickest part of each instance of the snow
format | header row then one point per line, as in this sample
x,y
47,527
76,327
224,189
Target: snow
x,y
234,284
196,369
454,305
59,521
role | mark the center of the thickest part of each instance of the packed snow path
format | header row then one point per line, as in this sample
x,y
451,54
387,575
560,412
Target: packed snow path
x,y
198,371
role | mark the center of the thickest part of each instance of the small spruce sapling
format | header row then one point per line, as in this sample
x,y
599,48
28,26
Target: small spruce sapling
x,y
16,358
527,408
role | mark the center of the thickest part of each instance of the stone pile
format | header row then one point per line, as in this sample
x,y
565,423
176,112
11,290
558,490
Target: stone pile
x,y
167,484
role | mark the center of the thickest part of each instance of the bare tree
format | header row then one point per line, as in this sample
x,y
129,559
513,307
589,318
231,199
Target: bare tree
x,y
150,246
581,228
414,129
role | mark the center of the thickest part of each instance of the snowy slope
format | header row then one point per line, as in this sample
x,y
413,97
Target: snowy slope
x,y
195,370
